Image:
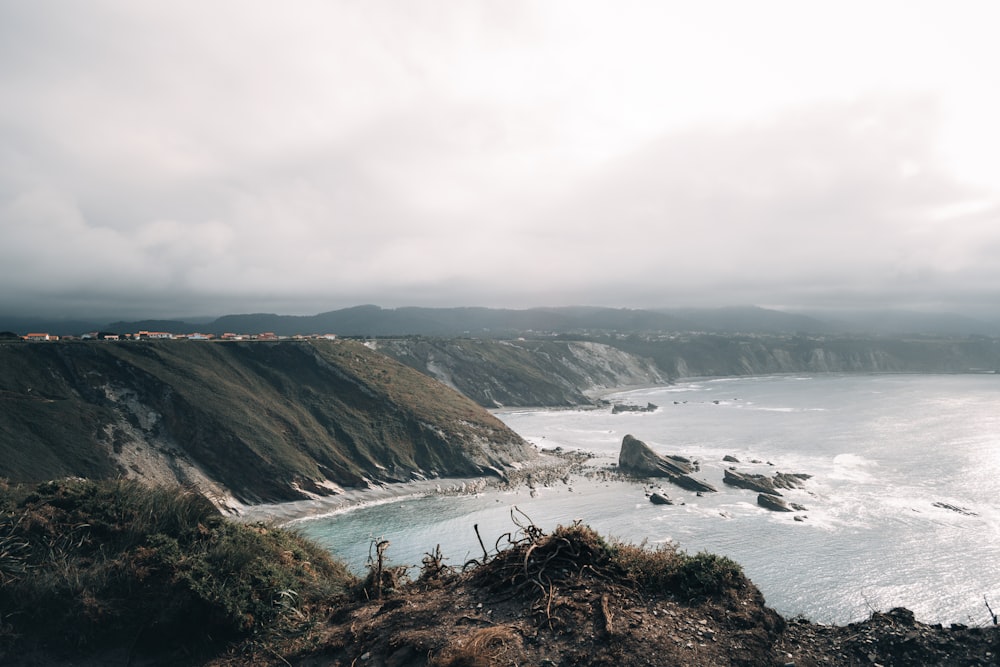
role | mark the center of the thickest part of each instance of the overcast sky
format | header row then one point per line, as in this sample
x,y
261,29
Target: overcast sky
x,y
197,158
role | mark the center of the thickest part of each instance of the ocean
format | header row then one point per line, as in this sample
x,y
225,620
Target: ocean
x,y
902,509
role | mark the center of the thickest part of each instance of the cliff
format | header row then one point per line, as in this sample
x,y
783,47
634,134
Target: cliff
x,y
559,372
252,422
497,373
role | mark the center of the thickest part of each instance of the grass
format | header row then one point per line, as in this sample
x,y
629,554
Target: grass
x,y
666,569
88,564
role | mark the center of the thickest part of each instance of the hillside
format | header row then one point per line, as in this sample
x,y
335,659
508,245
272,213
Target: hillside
x,y
246,422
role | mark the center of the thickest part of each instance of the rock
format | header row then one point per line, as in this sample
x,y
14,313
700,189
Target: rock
x,y
692,484
955,508
773,503
753,482
791,480
763,483
637,458
660,499
730,459
621,407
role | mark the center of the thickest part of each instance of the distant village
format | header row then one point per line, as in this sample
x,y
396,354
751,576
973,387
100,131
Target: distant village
x,y
165,335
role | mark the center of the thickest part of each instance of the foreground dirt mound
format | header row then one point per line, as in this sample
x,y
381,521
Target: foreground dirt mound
x,y
570,598
563,599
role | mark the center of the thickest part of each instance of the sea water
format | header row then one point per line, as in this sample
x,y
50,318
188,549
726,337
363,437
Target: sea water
x,y
902,509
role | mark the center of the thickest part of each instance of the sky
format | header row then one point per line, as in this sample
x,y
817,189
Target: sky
x,y
170,159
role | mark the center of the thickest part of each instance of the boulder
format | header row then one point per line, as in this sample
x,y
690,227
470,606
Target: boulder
x,y
776,504
773,503
660,499
637,458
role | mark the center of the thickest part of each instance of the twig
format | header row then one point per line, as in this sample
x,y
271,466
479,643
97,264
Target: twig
x,y
481,545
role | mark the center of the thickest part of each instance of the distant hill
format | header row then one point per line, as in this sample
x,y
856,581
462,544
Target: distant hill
x,y
374,321
750,319
251,421
902,322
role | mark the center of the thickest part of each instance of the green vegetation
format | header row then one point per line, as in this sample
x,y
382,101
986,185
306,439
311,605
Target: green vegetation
x,y
89,564
668,569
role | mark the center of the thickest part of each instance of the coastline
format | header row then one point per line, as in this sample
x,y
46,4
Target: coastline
x,y
313,508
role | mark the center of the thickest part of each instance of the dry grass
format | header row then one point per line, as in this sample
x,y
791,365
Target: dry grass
x,y
483,648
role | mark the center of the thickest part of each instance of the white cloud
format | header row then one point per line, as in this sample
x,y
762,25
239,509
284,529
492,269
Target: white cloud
x,y
228,155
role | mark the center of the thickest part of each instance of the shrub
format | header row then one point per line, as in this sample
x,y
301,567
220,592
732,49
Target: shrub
x,y
667,570
113,561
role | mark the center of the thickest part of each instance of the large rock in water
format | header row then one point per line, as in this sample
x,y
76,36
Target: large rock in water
x,y
762,483
773,503
637,458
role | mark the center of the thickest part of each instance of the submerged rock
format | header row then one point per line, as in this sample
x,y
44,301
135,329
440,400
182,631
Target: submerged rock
x,y
622,407
955,508
637,458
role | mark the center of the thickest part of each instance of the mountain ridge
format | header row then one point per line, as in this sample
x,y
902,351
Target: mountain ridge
x,y
375,321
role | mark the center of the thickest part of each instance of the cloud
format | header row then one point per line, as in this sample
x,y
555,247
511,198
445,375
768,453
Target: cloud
x,y
190,158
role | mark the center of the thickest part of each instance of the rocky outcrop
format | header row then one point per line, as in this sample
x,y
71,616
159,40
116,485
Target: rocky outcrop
x,y
763,483
636,458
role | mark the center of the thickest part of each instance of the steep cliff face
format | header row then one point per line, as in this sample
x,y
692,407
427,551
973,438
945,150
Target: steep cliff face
x,y
523,373
251,421
713,355
559,372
